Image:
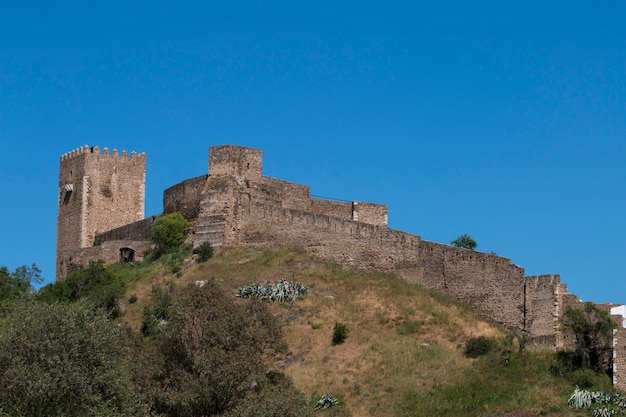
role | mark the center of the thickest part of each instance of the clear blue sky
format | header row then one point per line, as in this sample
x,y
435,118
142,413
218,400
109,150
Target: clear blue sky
x,y
503,120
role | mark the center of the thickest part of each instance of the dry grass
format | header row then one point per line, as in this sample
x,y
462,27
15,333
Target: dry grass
x,y
404,341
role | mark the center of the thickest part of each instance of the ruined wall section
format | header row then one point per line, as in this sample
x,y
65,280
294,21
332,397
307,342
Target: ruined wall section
x,y
369,213
109,252
236,161
542,313
487,282
97,192
217,219
284,194
185,197
564,299
137,231
339,209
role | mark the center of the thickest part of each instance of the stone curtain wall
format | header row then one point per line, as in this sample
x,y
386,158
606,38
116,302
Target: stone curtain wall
x,y
369,213
541,308
109,252
141,230
487,282
185,197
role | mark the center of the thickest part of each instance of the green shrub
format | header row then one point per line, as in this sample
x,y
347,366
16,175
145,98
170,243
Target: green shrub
x,y
97,284
340,333
204,251
583,378
132,299
479,346
168,233
64,360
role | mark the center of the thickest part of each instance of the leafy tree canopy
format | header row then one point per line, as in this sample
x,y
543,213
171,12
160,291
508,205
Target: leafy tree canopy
x,y
63,360
212,353
169,231
593,332
464,241
19,282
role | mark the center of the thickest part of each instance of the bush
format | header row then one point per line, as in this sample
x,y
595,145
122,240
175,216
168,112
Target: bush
x,y
212,352
64,360
168,233
95,283
479,346
204,251
583,378
340,333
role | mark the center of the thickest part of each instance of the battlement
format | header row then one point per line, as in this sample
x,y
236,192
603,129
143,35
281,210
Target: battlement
x,y
86,149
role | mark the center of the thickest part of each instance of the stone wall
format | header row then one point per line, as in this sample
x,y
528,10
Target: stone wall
x,y
369,213
339,209
541,308
486,282
236,161
109,252
185,197
138,231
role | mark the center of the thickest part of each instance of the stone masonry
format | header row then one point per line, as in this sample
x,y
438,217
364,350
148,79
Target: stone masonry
x,y
101,199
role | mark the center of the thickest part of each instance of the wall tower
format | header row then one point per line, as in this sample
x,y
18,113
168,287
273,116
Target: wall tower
x,y
97,192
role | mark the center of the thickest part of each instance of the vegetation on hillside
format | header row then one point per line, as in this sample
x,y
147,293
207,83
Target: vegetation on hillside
x,y
188,346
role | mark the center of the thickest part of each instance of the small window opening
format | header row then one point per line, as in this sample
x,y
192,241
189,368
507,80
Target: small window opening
x,y
66,197
127,255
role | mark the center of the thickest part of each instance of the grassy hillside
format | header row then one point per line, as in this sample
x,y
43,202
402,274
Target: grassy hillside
x,y
404,353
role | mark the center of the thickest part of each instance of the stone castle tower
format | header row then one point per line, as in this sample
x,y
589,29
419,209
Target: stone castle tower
x,y
97,192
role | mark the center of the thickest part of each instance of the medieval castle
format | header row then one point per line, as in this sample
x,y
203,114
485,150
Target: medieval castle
x,y
101,216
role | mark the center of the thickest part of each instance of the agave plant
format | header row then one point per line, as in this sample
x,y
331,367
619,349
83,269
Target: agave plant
x,y
592,399
327,401
282,291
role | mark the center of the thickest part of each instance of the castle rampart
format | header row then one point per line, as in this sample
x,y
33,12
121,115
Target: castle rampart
x,y
487,282
101,202
185,197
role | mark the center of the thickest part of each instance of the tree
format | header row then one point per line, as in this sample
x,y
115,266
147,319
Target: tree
x,y
19,282
169,232
212,352
593,332
64,360
464,241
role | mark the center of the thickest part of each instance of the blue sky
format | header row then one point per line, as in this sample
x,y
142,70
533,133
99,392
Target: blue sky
x,y
506,121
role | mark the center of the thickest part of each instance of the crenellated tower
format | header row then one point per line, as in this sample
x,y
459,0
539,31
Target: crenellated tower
x,y
97,192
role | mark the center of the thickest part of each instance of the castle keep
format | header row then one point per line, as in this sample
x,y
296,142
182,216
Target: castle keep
x,y
101,205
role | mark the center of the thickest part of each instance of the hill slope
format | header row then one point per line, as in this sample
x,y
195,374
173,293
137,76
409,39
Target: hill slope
x,y
404,354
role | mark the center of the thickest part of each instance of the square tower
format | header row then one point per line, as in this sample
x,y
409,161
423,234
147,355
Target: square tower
x,y
237,161
97,192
